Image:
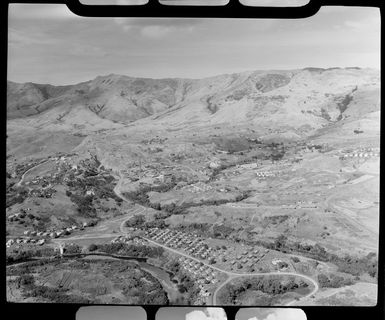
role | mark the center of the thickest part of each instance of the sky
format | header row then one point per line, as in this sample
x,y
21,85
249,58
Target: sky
x,y
190,313
270,314
111,313
49,44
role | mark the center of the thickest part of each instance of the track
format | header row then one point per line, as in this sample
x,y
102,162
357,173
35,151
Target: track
x,y
23,176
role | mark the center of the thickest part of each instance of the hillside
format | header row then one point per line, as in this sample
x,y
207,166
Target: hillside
x,y
303,100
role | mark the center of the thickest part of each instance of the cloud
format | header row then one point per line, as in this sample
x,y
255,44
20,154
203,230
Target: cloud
x,y
21,38
88,51
207,314
216,313
157,28
287,314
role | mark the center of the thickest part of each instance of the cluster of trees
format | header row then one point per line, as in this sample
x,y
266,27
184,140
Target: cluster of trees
x,y
145,288
29,267
103,187
18,256
172,208
157,223
140,196
131,250
186,285
26,255
222,231
56,295
15,195
136,221
268,285
84,205
355,266
72,249
333,281
199,227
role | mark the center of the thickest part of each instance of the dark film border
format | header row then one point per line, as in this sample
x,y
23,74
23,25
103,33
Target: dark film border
x,y
153,8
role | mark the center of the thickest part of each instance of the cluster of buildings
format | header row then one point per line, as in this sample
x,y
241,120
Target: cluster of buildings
x,y
40,237
22,168
202,274
197,187
301,204
11,242
191,243
264,174
147,172
253,165
156,139
362,153
245,259
130,239
281,265
45,181
42,192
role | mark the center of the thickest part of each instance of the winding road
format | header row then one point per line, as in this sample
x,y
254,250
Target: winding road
x,y
231,275
29,170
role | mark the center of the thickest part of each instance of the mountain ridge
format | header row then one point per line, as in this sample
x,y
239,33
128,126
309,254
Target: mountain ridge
x,y
309,96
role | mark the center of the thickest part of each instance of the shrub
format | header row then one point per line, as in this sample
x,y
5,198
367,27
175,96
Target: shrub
x,y
92,247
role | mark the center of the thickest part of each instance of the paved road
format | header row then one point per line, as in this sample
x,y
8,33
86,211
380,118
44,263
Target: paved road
x,y
238,275
232,275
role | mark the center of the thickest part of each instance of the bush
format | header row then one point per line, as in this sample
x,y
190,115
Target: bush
x,y
135,221
92,247
25,280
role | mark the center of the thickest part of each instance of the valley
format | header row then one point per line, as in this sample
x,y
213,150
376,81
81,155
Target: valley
x,y
253,188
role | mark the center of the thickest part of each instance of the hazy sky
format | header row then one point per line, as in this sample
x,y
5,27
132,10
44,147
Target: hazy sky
x,y
49,44
111,313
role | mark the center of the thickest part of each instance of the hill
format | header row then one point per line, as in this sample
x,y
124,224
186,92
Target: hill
x,y
303,99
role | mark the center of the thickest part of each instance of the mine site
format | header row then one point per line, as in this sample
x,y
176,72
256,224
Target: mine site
x,y
250,188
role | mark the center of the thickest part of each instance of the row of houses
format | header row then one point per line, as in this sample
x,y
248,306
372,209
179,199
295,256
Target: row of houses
x,y
265,174
16,241
195,246
246,259
360,155
35,237
190,243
